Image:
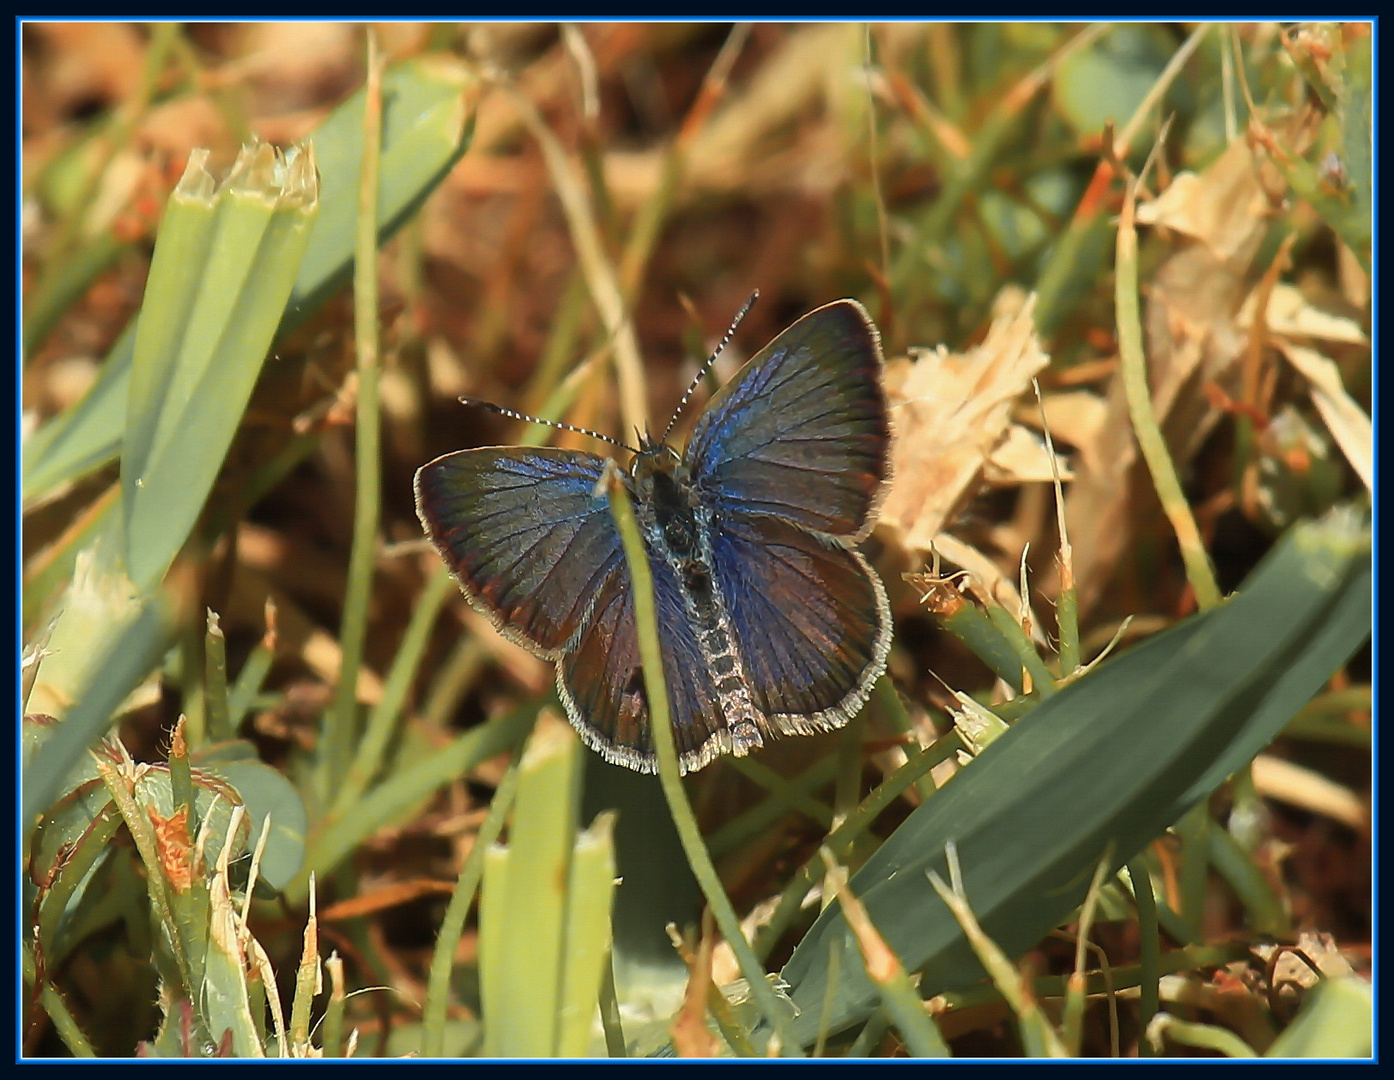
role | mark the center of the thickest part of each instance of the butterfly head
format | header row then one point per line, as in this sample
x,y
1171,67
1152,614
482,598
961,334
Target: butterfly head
x,y
655,465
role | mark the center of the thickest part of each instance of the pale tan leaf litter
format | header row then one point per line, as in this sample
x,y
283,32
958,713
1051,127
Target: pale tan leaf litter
x,y
1195,341
952,415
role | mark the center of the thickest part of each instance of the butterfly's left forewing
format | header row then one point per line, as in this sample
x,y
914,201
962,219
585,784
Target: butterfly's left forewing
x,y
525,535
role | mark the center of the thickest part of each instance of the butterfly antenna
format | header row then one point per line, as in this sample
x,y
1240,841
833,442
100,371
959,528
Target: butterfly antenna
x,y
500,410
702,371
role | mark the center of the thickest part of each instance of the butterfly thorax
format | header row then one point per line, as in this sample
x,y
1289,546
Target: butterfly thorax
x,y
665,498
677,528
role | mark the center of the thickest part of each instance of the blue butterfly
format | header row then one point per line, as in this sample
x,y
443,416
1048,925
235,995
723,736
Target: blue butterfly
x,y
770,621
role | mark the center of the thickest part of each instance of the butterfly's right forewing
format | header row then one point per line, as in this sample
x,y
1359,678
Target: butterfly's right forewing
x,y
525,534
802,432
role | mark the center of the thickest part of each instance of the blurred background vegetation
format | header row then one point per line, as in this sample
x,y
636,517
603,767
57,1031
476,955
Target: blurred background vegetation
x,y
231,617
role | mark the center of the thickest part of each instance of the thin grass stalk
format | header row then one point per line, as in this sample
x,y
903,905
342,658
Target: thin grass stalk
x,y
1072,1022
243,694
840,840
845,797
383,717
407,788
453,680
1150,948
1112,980
983,636
1202,1036
341,723
793,794
898,996
1194,830
790,796
122,791
1124,141
215,690
870,1036
181,782
332,1030
64,1022
665,749
1038,1038
830,991
1149,435
307,983
1264,907
452,926
893,711
610,1020
1042,681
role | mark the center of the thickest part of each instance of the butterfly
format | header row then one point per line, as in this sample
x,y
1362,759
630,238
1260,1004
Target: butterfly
x,y
770,621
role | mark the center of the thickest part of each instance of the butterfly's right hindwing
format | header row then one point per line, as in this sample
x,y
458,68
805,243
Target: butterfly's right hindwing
x,y
525,535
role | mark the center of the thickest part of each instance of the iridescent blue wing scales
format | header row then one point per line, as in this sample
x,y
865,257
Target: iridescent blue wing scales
x,y
790,457
801,432
811,619
525,535
601,682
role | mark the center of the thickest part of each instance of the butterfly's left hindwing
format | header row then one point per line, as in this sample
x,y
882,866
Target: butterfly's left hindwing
x,y
525,534
810,619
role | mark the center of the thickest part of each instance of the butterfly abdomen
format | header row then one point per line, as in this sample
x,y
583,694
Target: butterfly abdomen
x,y
676,536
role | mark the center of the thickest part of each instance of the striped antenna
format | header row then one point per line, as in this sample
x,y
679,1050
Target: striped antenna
x,y
500,410
701,374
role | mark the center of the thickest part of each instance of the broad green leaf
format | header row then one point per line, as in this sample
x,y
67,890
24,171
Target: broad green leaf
x,y
1104,767
222,272
267,793
1336,1021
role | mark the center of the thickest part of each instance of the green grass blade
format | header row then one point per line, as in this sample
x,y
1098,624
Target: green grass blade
x,y
523,907
427,118
193,373
590,898
397,797
1152,731
129,651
